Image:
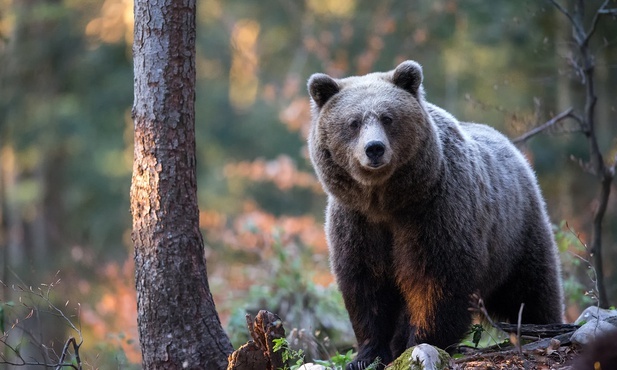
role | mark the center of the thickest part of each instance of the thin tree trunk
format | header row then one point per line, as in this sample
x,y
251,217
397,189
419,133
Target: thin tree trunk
x,y
15,226
178,323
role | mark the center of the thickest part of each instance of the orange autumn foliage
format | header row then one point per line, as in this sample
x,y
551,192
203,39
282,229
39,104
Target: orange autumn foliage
x,y
281,171
115,312
255,229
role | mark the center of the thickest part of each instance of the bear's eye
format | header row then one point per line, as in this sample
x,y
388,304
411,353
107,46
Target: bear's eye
x,y
386,120
354,123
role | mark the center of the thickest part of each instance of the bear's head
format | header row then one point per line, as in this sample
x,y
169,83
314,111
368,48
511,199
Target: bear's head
x,y
367,126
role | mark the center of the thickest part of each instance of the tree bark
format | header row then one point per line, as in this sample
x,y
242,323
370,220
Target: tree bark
x,y
178,323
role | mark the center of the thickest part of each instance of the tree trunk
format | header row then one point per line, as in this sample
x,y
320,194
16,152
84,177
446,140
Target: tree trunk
x,y
178,323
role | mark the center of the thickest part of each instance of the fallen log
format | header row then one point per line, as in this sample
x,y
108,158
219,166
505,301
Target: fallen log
x,y
540,331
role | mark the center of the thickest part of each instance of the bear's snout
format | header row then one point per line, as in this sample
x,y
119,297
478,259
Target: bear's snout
x,y
374,150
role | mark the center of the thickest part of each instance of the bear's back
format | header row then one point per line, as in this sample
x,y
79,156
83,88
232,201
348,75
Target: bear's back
x,y
482,149
488,181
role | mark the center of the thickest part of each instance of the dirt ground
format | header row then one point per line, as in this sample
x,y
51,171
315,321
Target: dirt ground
x,y
541,359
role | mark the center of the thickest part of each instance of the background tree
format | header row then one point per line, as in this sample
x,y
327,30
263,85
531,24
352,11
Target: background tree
x,y
178,324
583,61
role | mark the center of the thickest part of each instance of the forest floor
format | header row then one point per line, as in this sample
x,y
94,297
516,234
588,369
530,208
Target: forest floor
x,y
510,359
541,347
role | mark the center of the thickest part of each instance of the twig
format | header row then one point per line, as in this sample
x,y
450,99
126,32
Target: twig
x,y
478,306
566,13
518,328
23,362
594,22
36,297
608,11
65,350
526,136
594,279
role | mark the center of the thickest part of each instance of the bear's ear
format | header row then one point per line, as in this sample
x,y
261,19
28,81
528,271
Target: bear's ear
x,y
322,87
408,76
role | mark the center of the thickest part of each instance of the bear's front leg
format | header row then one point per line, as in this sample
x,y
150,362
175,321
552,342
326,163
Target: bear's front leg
x,y
373,309
361,259
437,304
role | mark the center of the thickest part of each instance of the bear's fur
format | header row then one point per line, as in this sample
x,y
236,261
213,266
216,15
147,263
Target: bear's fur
x,y
424,211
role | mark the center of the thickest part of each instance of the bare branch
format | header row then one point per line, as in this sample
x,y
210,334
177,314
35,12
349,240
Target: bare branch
x,y
19,360
578,68
576,25
594,22
529,134
32,300
587,167
563,10
594,279
65,350
608,11
578,119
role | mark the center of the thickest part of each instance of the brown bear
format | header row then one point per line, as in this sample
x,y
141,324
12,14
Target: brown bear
x,y
423,211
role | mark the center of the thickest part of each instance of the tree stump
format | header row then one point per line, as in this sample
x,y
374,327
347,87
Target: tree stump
x,y
258,353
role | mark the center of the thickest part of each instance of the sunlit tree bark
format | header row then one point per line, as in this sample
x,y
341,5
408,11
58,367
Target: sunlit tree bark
x,y
178,323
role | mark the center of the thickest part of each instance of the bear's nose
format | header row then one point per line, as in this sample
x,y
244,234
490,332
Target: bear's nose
x,y
374,149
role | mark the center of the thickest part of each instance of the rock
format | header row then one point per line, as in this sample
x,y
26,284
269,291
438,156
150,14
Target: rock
x,y
592,329
594,312
312,366
421,357
426,355
596,322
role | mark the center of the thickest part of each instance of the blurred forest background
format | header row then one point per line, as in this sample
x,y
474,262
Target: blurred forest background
x,y
66,145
